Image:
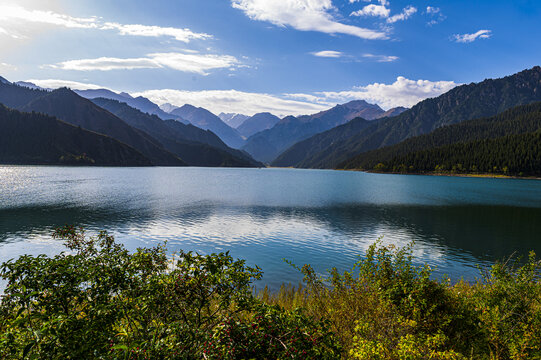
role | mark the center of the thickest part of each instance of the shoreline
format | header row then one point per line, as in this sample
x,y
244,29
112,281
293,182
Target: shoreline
x,y
465,175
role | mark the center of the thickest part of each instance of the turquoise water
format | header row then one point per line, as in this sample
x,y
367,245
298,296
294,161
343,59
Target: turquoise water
x,y
325,218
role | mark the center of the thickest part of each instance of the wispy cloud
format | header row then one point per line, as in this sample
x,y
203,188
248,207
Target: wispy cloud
x,y
403,92
404,15
305,15
432,10
186,62
328,54
13,15
381,58
233,101
55,84
435,15
184,35
468,38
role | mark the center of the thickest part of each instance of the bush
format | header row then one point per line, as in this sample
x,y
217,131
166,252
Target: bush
x,y
98,301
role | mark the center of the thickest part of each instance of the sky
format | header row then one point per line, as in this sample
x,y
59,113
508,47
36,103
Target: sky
x,y
282,56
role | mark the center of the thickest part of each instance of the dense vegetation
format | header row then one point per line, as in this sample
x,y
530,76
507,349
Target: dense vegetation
x,y
462,103
37,139
481,145
98,301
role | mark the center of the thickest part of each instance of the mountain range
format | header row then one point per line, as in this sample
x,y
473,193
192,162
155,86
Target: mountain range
x,y
258,122
266,145
38,139
446,146
233,119
466,102
204,119
200,147
196,146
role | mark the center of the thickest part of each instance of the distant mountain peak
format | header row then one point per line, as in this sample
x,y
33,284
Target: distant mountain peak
x,y
4,81
360,105
167,107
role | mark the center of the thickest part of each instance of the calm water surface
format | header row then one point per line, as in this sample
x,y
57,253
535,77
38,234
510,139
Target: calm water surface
x,y
325,218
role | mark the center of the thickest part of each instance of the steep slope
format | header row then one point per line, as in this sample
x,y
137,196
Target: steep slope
x,y
257,123
232,119
15,97
140,103
206,120
518,154
301,151
37,139
285,134
518,120
71,108
266,145
465,102
393,112
195,146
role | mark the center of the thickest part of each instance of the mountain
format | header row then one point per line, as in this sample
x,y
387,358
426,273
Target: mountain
x,y
168,107
140,102
66,105
393,112
257,123
518,154
29,85
299,152
268,144
49,141
15,97
232,119
515,121
4,81
206,120
465,102
195,146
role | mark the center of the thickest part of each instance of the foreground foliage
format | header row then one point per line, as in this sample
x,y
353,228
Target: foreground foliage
x,y
99,301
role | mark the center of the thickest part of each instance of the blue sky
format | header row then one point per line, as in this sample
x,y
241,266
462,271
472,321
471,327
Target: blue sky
x,y
283,56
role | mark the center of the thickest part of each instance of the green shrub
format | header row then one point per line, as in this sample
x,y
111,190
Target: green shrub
x,y
98,301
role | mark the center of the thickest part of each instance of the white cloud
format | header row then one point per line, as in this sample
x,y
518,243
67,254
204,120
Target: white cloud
x,y
373,10
305,15
184,35
381,58
432,10
233,101
404,15
468,38
328,54
186,62
6,66
55,84
13,15
403,92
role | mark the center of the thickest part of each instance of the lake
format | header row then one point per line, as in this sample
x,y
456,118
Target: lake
x,y
325,218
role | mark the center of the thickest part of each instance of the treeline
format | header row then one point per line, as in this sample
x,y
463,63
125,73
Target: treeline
x,y
99,301
482,145
516,155
38,139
